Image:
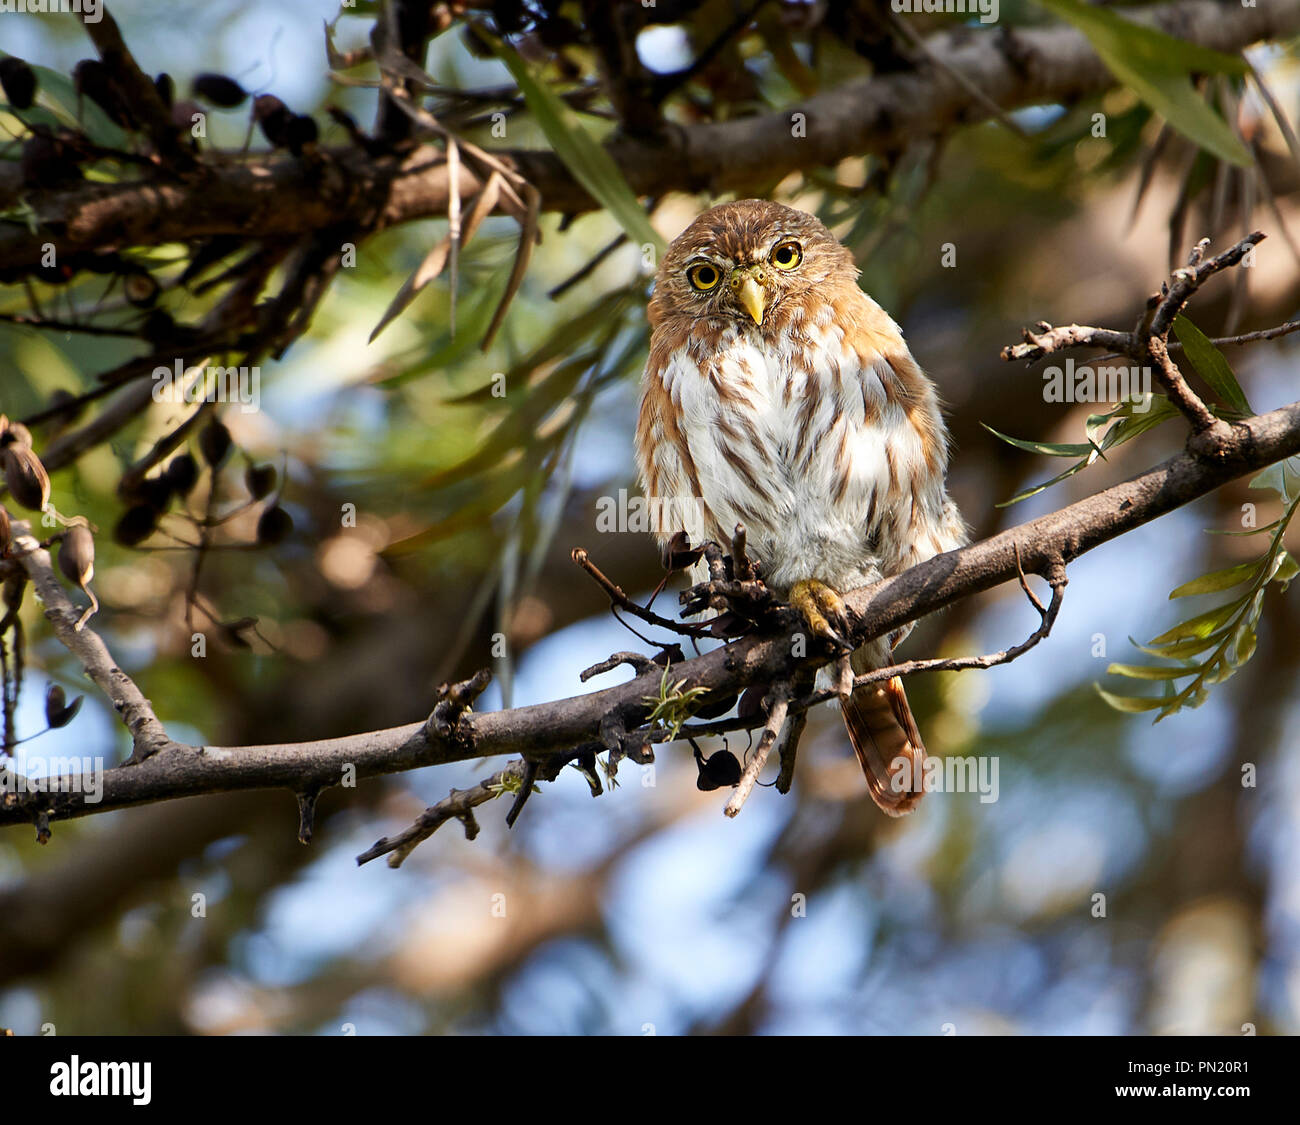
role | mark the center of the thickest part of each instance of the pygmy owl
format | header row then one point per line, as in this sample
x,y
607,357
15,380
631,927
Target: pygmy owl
x,y
777,394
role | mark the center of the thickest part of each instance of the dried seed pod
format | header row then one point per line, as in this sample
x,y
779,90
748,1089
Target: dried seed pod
x,y
715,709
274,118
77,564
215,442
219,90
95,81
28,482
260,480
166,89
728,624
155,491
141,288
274,526
369,144
136,525
14,433
751,701
302,132
669,654
18,81
77,555
678,554
103,263
159,327
58,712
182,474
716,771
12,593
48,161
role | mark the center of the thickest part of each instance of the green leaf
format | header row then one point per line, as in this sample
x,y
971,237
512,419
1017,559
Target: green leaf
x,y
56,91
1035,489
1149,671
1285,569
1158,68
1128,703
1217,580
590,164
1202,625
1050,448
1275,477
1180,650
1245,645
1211,364
1134,423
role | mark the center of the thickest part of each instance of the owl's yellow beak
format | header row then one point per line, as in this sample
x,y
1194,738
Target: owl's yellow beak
x,y
747,284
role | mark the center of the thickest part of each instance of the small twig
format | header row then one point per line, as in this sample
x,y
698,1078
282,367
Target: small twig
x,y
740,564
798,706
307,815
459,804
531,770
618,598
635,660
147,733
1047,340
454,701
788,749
1149,343
1047,619
1154,337
588,269
936,60
778,705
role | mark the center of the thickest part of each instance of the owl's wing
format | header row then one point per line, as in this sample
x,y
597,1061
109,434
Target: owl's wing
x,y
917,518
668,474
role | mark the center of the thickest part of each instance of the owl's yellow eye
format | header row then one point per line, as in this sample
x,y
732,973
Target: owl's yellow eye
x,y
787,255
703,276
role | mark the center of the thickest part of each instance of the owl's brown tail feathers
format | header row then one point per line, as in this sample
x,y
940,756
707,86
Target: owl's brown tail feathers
x,y
885,738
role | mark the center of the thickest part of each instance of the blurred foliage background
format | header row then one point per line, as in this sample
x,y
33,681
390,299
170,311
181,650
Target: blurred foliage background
x,y
645,909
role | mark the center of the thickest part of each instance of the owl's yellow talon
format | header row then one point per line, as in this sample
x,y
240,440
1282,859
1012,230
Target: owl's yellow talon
x,y
824,611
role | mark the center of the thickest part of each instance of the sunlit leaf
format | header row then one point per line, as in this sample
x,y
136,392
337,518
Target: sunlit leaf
x,y
1149,671
1129,703
1202,625
1217,580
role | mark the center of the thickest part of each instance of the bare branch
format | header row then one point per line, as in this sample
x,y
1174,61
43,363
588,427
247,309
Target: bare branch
x,y
553,729
136,712
778,703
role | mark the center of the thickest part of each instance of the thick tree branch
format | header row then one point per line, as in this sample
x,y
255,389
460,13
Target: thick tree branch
x,y
275,198
556,728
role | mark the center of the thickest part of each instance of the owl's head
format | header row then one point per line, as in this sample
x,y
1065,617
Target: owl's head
x,y
742,259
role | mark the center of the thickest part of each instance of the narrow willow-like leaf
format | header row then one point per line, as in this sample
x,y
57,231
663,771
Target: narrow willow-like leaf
x,y
1050,448
1181,650
590,164
1211,364
1158,68
1202,625
1128,703
1217,580
1149,671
